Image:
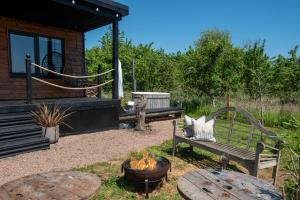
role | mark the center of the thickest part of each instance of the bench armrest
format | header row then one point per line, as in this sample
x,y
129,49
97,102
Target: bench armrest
x,y
261,146
276,139
260,155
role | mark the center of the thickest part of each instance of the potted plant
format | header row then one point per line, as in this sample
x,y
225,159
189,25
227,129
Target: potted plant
x,y
49,117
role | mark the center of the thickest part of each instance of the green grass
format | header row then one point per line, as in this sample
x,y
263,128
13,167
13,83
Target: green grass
x,y
115,187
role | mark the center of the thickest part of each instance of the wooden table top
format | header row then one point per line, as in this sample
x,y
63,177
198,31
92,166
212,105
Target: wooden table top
x,y
52,185
217,185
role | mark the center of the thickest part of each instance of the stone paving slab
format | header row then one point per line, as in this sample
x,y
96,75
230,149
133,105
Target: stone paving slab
x,y
52,185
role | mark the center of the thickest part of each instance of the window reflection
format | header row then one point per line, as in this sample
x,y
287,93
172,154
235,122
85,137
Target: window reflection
x,y
20,45
51,54
48,53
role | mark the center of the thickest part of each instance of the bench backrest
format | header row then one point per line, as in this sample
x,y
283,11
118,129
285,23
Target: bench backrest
x,y
237,127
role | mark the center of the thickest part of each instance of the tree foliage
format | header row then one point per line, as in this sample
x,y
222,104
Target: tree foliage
x,y
212,67
257,70
154,69
286,76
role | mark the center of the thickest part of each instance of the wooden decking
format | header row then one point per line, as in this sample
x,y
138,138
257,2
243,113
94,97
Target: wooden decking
x,y
9,103
20,134
90,114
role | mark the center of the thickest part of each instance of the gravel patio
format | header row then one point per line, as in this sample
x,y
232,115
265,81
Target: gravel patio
x,y
80,150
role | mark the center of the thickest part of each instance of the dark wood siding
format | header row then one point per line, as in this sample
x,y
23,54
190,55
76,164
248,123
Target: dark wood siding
x,y
15,88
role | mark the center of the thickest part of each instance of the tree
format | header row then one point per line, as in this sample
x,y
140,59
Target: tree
x,y
286,76
257,72
154,69
214,66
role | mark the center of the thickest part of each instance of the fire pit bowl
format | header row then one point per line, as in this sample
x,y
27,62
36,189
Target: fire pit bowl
x,y
136,175
147,176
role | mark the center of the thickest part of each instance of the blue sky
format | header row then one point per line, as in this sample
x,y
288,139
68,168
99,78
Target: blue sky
x,y
175,24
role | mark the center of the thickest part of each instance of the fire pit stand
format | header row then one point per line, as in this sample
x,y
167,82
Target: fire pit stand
x,y
147,176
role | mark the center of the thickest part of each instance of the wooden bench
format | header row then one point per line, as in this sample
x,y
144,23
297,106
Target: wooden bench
x,y
240,137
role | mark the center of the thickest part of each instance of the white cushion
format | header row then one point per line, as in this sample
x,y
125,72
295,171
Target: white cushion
x,y
200,120
203,131
188,121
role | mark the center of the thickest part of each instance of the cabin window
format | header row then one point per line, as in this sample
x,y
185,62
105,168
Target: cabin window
x,y
20,45
50,54
45,51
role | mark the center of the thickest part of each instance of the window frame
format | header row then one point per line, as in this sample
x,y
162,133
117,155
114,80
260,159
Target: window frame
x,y
36,53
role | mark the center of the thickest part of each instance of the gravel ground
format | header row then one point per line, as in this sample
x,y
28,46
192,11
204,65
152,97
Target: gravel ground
x,y
80,150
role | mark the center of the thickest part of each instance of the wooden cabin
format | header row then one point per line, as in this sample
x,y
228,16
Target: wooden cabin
x,y
52,35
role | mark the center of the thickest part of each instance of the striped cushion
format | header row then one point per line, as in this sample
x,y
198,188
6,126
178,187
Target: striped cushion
x,y
203,131
188,122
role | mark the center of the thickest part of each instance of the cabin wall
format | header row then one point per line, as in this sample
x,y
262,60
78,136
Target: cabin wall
x,y
15,88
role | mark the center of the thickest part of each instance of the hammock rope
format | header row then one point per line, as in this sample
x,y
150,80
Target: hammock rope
x,y
71,76
72,88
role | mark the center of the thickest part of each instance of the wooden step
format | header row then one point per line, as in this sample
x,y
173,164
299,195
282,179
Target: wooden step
x,y
20,134
23,135
18,122
14,117
19,143
24,149
20,131
19,128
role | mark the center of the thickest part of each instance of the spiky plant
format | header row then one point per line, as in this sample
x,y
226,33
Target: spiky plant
x,y
50,115
291,188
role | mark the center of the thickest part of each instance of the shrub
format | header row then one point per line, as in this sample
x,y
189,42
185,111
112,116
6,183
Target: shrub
x,y
291,188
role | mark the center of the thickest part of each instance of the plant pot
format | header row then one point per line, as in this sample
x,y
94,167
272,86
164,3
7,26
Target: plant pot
x,y
52,133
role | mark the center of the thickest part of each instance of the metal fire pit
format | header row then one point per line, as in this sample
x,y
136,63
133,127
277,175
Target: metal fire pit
x,y
147,176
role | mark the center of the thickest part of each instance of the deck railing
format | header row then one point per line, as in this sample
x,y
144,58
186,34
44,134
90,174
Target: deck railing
x,y
29,78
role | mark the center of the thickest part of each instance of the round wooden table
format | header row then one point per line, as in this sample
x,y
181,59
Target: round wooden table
x,y
216,185
53,185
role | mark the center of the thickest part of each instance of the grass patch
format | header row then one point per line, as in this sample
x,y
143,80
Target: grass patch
x,y
114,187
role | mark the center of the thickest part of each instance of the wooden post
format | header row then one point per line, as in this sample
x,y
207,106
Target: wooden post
x,y
228,100
115,44
133,76
28,79
99,81
174,139
261,110
140,110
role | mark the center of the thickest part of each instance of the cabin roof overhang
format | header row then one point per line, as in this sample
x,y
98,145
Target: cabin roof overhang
x,y
80,15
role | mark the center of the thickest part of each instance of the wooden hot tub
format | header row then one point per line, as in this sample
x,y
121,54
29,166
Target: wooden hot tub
x,y
154,99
